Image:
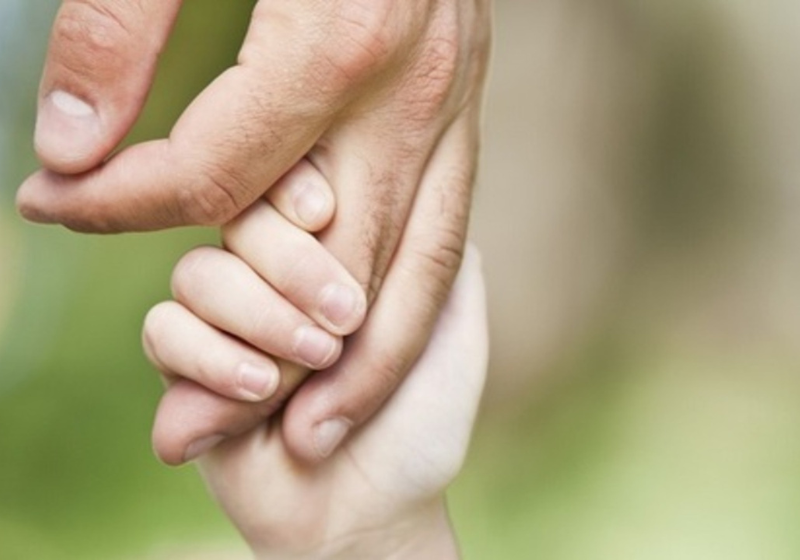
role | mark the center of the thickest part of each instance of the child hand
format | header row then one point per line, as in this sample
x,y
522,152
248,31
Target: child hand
x,y
381,494
273,296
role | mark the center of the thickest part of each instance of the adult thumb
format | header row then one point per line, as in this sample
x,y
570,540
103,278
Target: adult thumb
x,y
99,69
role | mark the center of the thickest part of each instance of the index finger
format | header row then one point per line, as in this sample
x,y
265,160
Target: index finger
x,y
224,152
251,125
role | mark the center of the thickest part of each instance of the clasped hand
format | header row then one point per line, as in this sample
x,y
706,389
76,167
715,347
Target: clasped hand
x,y
381,494
380,99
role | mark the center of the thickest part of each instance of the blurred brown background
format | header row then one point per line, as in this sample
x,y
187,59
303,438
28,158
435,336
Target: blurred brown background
x,y
637,213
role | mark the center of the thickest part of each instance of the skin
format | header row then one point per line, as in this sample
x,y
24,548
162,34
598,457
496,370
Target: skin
x,y
380,495
382,99
252,314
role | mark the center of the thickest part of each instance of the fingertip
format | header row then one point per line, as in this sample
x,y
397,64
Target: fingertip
x,y
316,348
167,460
313,445
304,197
164,449
28,202
329,435
181,421
258,382
52,198
99,68
69,134
299,435
313,205
344,308
313,430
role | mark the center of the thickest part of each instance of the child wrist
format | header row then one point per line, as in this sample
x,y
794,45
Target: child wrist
x,y
426,535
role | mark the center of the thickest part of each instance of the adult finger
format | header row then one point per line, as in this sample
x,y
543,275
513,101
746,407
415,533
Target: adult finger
x,y
363,235
375,178
180,345
332,403
225,292
99,69
430,416
377,356
294,263
192,419
300,65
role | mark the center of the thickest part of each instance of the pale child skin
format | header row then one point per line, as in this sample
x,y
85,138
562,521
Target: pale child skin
x,y
379,495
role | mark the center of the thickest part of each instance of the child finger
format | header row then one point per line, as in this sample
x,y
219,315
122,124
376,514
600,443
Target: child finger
x,y
224,291
298,266
304,197
181,345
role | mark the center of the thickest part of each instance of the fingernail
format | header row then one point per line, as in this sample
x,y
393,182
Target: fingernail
x,y
329,434
314,347
340,304
201,446
67,128
309,203
257,382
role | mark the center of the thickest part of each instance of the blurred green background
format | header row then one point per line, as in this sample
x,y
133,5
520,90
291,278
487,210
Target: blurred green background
x,y
637,210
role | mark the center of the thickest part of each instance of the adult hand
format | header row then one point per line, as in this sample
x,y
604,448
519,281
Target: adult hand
x,y
381,97
381,494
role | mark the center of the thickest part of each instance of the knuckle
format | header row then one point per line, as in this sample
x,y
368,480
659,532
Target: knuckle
x,y
446,255
214,203
365,39
437,259
439,263
440,251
